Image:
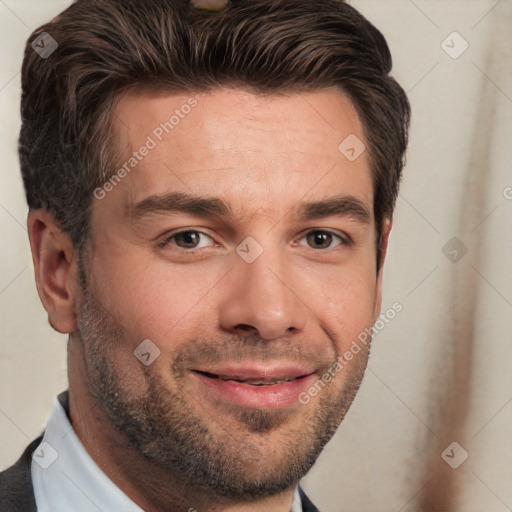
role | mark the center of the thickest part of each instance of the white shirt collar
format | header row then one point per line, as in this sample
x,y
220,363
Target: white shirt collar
x,y
65,477
297,502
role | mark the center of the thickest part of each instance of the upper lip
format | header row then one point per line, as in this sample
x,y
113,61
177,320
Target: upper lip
x,y
268,372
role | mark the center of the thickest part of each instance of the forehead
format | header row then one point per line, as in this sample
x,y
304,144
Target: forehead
x,y
259,151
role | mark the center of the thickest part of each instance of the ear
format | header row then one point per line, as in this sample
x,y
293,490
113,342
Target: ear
x,y
381,251
55,269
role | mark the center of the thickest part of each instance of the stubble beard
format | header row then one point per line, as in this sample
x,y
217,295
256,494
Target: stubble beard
x,y
161,424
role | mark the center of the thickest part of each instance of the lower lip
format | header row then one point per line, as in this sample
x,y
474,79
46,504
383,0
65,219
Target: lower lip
x,y
275,396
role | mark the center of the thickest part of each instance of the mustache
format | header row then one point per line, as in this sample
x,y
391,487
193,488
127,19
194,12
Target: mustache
x,y
236,348
242,349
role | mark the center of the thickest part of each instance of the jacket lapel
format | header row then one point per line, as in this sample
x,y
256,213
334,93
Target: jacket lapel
x,y
307,505
16,489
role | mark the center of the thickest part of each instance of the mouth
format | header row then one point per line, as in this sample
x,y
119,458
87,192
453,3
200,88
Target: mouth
x,y
265,387
251,382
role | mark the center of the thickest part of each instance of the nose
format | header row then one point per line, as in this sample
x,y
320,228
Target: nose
x,y
262,298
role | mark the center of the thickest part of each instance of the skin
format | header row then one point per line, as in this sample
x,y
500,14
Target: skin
x,y
263,155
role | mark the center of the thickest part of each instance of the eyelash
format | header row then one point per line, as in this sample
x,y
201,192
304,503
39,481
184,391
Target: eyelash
x,y
166,241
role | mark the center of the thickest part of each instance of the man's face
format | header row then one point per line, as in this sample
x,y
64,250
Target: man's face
x,y
250,298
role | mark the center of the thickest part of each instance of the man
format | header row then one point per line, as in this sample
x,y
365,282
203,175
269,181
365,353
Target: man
x,y
211,190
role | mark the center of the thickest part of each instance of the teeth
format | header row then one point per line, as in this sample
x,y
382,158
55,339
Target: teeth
x,y
257,382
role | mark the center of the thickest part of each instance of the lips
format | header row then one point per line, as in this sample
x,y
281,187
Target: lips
x,y
251,381
269,386
258,375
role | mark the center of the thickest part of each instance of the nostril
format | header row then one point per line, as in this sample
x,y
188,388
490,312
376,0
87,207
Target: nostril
x,y
245,327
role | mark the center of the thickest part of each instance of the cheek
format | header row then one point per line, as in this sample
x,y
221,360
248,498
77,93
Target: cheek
x,y
155,300
346,305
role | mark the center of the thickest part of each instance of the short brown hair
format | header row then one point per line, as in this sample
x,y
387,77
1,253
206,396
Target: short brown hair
x,y
105,47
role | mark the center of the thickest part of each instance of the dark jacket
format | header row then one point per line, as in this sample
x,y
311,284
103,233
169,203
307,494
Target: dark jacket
x,y
17,492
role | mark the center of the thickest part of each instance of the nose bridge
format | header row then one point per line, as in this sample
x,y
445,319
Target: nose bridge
x,y
260,293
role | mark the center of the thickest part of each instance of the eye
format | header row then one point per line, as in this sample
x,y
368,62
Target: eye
x,y
321,239
187,240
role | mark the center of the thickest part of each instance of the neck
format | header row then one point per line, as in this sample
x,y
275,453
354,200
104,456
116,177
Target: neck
x,y
151,487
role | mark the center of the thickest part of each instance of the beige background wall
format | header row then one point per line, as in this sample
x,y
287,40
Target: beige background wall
x,y
441,370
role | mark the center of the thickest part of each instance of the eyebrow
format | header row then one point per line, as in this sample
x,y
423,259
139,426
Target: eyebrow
x,y
340,206
181,202
214,207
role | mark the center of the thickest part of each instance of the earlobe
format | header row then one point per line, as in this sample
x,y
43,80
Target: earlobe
x,y
54,268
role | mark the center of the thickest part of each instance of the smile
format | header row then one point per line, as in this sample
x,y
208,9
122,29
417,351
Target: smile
x,y
269,388
252,382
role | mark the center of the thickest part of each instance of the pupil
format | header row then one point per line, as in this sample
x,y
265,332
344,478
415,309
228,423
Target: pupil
x,y
189,237
321,238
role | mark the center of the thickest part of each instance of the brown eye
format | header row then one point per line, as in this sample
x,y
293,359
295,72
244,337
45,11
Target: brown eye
x,y
187,239
323,239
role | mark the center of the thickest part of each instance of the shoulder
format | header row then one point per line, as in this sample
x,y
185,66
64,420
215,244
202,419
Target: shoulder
x,y
16,489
